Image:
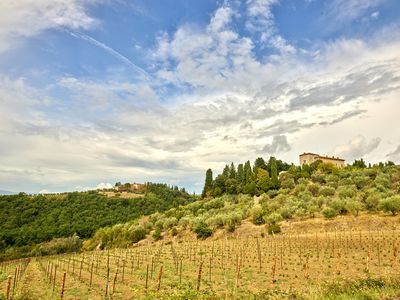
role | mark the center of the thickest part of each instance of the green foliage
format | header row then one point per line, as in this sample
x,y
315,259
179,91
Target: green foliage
x,y
137,233
274,228
208,183
327,191
157,235
203,231
391,204
273,218
257,215
57,246
329,213
26,221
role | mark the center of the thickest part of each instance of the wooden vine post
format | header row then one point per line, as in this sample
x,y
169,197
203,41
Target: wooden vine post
x,y
159,278
63,285
274,269
115,280
9,286
108,274
147,277
199,276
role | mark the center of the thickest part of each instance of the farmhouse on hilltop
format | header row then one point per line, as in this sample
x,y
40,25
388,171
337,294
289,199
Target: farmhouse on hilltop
x,y
138,188
309,158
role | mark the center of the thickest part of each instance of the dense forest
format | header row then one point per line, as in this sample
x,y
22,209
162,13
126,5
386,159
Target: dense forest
x,y
268,194
27,220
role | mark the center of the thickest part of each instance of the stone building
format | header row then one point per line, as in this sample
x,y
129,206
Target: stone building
x,y
309,158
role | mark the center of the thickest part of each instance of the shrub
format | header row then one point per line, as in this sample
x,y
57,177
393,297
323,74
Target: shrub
x,y
174,231
327,191
329,213
203,231
137,233
273,218
372,202
274,228
287,212
170,222
313,189
382,180
288,183
157,234
353,206
256,214
214,204
391,204
185,221
340,206
233,219
347,191
361,181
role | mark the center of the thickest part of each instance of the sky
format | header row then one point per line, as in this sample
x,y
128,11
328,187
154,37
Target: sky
x,y
98,91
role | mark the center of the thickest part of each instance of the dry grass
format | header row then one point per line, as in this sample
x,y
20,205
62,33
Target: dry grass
x,y
307,255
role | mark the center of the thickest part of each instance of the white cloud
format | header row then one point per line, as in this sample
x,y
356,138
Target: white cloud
x,y
27,18
349,10
357,147
228,105
279,144
394,155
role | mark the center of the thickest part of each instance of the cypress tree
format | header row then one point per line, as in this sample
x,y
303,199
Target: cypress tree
x,y
232,171
247,172
226,172
240,174
208,183
274,173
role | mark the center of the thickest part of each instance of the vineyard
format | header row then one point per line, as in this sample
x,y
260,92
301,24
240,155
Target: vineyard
x,y
234,268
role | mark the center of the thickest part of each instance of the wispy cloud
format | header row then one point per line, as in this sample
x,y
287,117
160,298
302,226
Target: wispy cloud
x,y
26,18
111,51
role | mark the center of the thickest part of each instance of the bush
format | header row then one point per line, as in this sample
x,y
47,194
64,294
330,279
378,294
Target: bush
x,y
274,228
174,231
329,213
353,206
273,218
288,183
361,181
203,231
348,191
157,234
372,202
137,233
340,206
391,204
256,214
313,188
327,191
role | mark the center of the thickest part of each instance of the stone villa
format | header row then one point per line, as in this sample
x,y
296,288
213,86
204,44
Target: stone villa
x,y
308,158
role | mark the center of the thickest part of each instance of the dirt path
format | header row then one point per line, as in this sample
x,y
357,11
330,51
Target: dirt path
x,y
34,284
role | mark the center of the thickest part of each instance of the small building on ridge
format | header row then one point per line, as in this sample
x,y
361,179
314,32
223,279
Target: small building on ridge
x,y
309,158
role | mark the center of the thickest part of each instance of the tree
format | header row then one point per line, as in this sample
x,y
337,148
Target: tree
x,y
391,204
259,163
262,180
274,173
226,172
240,174
232,171
359,163
247,172
208,183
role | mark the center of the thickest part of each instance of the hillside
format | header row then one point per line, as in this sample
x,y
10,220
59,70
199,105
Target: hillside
x,y
300,193
28,220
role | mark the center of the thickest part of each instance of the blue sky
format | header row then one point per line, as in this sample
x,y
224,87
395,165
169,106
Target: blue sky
x,y
96,91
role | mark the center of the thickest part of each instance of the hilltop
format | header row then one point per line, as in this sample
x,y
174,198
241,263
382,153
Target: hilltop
x,y
269,201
